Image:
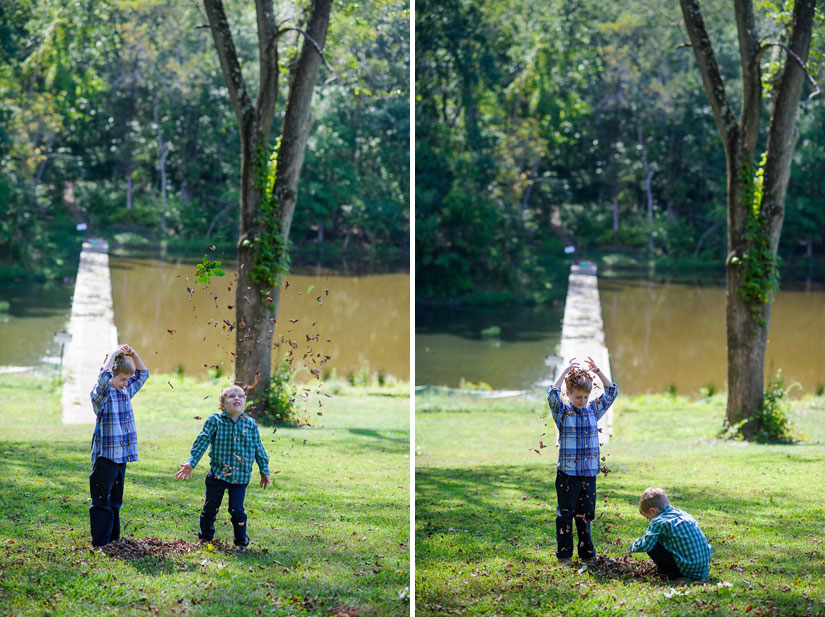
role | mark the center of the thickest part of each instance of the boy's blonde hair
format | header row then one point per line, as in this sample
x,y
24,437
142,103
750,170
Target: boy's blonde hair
x,y
226,391
653,498
123,365
578,379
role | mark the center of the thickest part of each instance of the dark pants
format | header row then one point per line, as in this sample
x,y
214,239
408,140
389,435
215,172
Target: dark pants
x,y
215,488
106,488
665,564
576,501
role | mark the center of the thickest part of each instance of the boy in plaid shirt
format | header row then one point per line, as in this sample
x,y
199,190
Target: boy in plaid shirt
x,y
578,466
114,441
673,539
235,444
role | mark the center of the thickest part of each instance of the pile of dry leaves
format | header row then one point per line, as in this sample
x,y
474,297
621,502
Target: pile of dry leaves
x,y
623,567
137,548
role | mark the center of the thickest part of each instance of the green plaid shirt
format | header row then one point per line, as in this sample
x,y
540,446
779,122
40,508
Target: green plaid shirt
x,y
234,445
679,533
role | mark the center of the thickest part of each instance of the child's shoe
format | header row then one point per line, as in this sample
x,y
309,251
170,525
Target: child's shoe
x,y
565,561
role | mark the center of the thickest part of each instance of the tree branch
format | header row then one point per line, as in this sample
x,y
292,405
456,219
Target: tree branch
x,y
317,48
709,70
804,65
751,73
230,66
268,52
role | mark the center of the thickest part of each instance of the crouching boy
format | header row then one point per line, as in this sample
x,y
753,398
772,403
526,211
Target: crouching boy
x,y
673,539
234,443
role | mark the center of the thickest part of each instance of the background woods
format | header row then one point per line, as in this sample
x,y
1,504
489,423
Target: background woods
x,y
585,123
116,114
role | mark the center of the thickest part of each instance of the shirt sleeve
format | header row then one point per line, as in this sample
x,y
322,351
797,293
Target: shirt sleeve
x,y
136,381
260,454
203,440
556,405
100,392
603,403
649,540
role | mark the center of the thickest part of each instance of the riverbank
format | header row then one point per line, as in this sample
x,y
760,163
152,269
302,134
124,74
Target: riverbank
x,y
485,504
332,533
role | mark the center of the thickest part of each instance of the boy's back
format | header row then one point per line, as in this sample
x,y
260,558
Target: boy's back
x,y
680,534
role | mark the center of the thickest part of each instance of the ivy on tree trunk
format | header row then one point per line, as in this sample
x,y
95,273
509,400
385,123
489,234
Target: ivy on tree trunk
x,y
269,187
754,219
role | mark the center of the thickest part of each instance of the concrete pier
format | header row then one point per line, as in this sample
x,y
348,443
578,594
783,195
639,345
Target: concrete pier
x,y
93,332
582,331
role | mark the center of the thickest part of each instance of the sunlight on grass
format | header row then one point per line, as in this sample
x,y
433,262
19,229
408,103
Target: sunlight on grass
x,y
332,531
485,510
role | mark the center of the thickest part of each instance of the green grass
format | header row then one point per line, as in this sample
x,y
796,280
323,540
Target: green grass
x,y
332,531
485,511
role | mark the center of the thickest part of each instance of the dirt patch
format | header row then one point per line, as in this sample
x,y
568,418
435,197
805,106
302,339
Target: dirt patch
x,y
623,567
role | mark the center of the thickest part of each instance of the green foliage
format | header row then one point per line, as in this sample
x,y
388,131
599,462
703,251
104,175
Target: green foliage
x,y
760,271
206,270
278,402
771,423
270,247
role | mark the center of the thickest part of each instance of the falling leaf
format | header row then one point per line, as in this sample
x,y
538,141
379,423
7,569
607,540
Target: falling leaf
x,y
293,321
197,417
212,247
171,332
310,288
170,385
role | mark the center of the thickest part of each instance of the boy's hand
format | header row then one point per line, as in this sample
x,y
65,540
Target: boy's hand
x,y
185,471
265,482
592,365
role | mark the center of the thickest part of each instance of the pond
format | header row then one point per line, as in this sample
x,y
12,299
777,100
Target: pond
x,y
363,320
662,334
30,315
455,344
672,334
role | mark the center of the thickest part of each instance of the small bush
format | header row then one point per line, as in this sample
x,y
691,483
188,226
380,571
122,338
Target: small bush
x,y
771,423
278,404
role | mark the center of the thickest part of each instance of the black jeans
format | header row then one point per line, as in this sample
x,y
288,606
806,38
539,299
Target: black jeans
x,y
665,564
215,488
106,488
576,501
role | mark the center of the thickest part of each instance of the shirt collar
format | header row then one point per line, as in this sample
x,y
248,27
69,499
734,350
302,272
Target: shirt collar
x,y
664,510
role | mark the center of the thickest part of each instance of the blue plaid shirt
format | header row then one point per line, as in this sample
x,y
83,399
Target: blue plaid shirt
x,y
679,533
233,446
115,435
579,431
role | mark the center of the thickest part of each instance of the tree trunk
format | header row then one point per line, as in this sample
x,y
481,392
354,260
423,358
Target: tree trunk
x,y
257,303
747,324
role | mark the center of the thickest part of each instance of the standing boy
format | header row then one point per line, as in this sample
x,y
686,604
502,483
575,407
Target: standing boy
x,y
578,466
114,442
235,444
673,540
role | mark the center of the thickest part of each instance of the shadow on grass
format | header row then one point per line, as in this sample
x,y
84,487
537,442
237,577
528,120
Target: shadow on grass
x,y
477,519
355,538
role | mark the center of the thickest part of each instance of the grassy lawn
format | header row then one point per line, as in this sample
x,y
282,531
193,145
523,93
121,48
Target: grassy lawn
x,y
485,511
330,537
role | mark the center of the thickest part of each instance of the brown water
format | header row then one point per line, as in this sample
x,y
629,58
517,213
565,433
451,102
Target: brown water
x,y
663,334
30,315
450,347
363,321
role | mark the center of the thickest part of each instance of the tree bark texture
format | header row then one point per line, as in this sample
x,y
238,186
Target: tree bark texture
x,y
746,335
257,306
